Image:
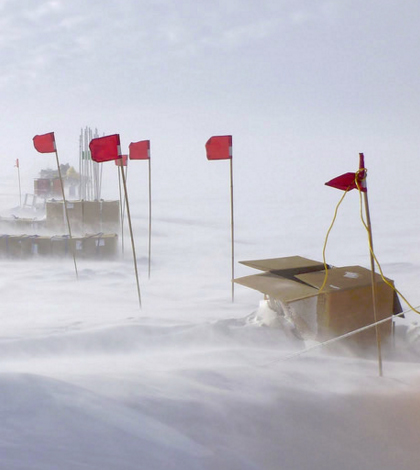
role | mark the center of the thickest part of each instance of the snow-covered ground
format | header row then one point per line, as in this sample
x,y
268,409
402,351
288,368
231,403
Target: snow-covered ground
x,y
193,381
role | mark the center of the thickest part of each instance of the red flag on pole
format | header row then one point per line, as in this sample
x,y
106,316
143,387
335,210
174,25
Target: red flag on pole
x,y
139,150
105,149
121,161
17,163
349,181
45,143
219,147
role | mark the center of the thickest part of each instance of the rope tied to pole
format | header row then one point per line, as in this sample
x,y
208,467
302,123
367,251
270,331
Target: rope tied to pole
x,y
359,180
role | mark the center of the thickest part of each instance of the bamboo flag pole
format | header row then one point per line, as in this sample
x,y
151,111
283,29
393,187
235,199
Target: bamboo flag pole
x,y
108,148
132,238
124,157
348,182
73,248
80,163
232,231
141,151
121,211
150,215
372,267
220,148
121,163
373,280
45,143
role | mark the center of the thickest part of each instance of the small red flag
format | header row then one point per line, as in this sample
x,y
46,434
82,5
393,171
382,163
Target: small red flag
x,y
17,163
121,161
349,181
104,149
219,147
45,143
139,150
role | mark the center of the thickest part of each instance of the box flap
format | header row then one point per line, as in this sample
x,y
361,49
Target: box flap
x,y
287,267
278,287
346,277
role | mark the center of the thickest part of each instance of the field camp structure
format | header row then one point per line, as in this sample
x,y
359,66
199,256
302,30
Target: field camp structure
x,y
39,226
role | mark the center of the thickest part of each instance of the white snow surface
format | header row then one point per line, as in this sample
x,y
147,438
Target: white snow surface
x,y
192,381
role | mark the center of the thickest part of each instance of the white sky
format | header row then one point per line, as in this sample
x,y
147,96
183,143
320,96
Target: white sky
x,y
301,84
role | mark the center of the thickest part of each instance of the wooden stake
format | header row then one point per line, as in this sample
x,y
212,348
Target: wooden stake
x,y
373,277
73,248
232,230
132,238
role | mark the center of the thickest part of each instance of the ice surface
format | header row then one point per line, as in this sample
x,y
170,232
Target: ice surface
x,y
194,381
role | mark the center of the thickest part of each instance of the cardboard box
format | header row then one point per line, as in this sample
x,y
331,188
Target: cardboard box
x,y
55,217
36,245
5,246
293,284
15,246
75,215
84,216
60,246
110,216
100,246
91,216
25,246
97,246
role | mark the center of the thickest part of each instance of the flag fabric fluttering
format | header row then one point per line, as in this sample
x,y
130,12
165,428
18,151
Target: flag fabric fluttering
x,y
219,147
17,163
105,149
45,143
122,161
139,150
349,181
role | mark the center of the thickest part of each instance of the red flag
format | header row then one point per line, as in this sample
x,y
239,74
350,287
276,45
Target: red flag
x,y
349,181
45,143
17,163
139,150
104,149
219,147
121,161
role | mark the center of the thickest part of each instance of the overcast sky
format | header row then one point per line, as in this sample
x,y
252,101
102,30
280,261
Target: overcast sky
x,y
298,81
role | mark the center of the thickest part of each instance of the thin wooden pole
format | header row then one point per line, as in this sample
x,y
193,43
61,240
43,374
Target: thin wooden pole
x,y
100,181
372,271
89,165
373,280
123,198
86,166
132,238
67,215
80,163
150,216
121,211
232,230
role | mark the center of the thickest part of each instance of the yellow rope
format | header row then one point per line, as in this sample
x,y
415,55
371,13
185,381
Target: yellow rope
x,y
326,240
373,253
358,180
